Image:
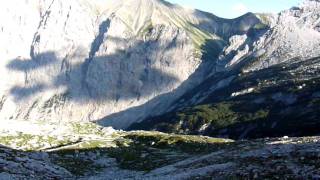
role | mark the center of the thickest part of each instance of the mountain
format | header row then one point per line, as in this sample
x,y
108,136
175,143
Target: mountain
x,y
115,62
151,65
267,87
136,61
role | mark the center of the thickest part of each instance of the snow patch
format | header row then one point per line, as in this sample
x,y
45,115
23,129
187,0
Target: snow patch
x,y
243,92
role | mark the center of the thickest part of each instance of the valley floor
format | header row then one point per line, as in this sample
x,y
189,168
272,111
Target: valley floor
x,y
87,151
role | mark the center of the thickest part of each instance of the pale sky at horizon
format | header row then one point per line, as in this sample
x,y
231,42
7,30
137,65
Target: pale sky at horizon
x,y
236,8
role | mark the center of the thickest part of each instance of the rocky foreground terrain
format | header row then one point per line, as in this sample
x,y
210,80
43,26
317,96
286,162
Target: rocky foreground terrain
x,y
88,151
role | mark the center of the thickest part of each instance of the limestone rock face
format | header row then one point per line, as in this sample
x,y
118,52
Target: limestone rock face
x,y
84,60
295,34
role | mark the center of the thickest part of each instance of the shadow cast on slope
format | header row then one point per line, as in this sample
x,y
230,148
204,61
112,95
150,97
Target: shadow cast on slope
x,y
210,52
125,74
210,66
25,65
286,104
226,28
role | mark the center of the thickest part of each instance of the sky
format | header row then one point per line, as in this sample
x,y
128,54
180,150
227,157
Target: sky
x,y
236,8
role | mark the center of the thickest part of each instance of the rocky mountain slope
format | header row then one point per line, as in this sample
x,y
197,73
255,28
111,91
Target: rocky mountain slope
x,y
120,62
267,84
116,62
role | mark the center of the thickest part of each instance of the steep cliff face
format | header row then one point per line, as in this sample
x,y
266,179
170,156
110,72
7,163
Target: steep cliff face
x,y
87,60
